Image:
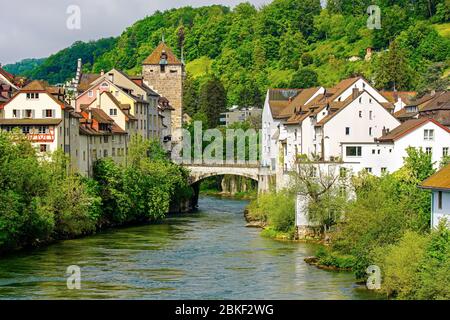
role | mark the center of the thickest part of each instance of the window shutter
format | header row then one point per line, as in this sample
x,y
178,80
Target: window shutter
x,y
43,113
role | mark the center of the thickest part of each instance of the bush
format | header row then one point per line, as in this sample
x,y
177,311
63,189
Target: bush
x,y
275,209
399,264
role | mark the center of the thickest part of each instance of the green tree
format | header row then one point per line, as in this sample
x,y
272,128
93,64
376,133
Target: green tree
x,y
212,101
304,78
394,71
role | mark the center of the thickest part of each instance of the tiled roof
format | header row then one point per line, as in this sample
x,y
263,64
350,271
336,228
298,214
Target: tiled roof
x,y
439,180
30,121
155,56
100,116
86,80
342,86
302,97
405,96
407,127
440,102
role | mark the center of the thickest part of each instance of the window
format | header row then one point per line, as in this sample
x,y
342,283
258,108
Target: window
x,y
373,151
370,115
360,114
105,139
347,131
429,150
105,153
379,151
28,113
84,155
353,151
113,152
32,96
428,134
370,100
368,170
440,200
445,151
16,113
43,148
49,113
370,131
26,129
360,100
113,112
383,170
43,129
163,68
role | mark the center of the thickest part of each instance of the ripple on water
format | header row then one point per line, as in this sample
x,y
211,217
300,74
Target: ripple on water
x,y
205,255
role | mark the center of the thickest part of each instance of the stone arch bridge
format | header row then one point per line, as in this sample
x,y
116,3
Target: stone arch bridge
x,y
198,172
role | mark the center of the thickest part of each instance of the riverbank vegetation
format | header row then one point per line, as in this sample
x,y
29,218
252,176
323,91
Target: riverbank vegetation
x,y
275,212
42,200
387,223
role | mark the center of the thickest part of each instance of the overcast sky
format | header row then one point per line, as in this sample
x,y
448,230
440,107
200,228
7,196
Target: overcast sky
x,y
38,28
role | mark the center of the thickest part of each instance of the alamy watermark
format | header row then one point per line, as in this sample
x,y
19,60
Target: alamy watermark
x,y
74,277
213,146
374,19
73,21
374,279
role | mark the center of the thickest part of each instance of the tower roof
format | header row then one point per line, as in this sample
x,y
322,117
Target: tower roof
x,y
155,56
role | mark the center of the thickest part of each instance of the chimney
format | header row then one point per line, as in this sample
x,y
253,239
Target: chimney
x,y
355,93
102,73
384,131
111,77
395,95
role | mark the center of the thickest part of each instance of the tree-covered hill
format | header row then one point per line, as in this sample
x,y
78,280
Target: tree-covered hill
x,y
24,67
291,43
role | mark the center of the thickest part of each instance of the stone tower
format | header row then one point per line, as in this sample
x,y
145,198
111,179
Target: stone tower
x,y
165,73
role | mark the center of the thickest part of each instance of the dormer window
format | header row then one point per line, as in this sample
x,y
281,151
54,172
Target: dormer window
x,y
32,96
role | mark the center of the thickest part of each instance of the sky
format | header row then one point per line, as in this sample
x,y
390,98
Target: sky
x,y
38,28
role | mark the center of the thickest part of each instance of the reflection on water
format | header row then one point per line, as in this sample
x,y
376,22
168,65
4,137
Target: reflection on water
x,y
205,255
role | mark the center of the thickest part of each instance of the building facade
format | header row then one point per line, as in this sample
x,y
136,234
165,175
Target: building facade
x,y
164,73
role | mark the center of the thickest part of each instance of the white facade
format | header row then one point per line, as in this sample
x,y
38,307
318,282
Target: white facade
x,y
362,120
379,157
440,207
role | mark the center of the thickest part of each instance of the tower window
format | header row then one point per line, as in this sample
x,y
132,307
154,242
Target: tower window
x,y
163,68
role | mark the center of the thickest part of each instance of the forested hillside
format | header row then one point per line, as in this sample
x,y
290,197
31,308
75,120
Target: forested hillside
x,y
288,43
24,67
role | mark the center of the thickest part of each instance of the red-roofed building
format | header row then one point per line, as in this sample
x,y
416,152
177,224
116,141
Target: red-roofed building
x,y
387,153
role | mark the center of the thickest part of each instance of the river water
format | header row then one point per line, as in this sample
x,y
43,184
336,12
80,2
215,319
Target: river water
x,y
205,255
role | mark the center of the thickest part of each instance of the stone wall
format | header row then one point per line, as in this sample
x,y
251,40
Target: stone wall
x,y
170,85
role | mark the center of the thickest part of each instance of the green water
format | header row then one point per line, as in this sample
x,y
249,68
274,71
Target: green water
x,y
205,255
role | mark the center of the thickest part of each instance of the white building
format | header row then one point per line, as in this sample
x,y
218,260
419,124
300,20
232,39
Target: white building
x,y
40,111
316,122
439,183
387,153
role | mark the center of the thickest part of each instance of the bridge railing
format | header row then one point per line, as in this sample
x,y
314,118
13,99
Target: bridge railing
x,y
239,164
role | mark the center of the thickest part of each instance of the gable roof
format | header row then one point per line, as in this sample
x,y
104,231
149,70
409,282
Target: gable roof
x,y
38,86
155,56
342,86
439,180
440,102
405,96
407,127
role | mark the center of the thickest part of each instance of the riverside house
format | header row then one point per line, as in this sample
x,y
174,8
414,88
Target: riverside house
x,y
439,184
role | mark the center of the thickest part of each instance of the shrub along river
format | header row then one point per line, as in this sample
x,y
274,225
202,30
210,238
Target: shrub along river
x,y
209,254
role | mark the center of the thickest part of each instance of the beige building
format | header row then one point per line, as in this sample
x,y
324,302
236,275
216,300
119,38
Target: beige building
x,y
164,72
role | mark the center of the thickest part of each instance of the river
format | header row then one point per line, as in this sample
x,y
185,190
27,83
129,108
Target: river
x,y
205,255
